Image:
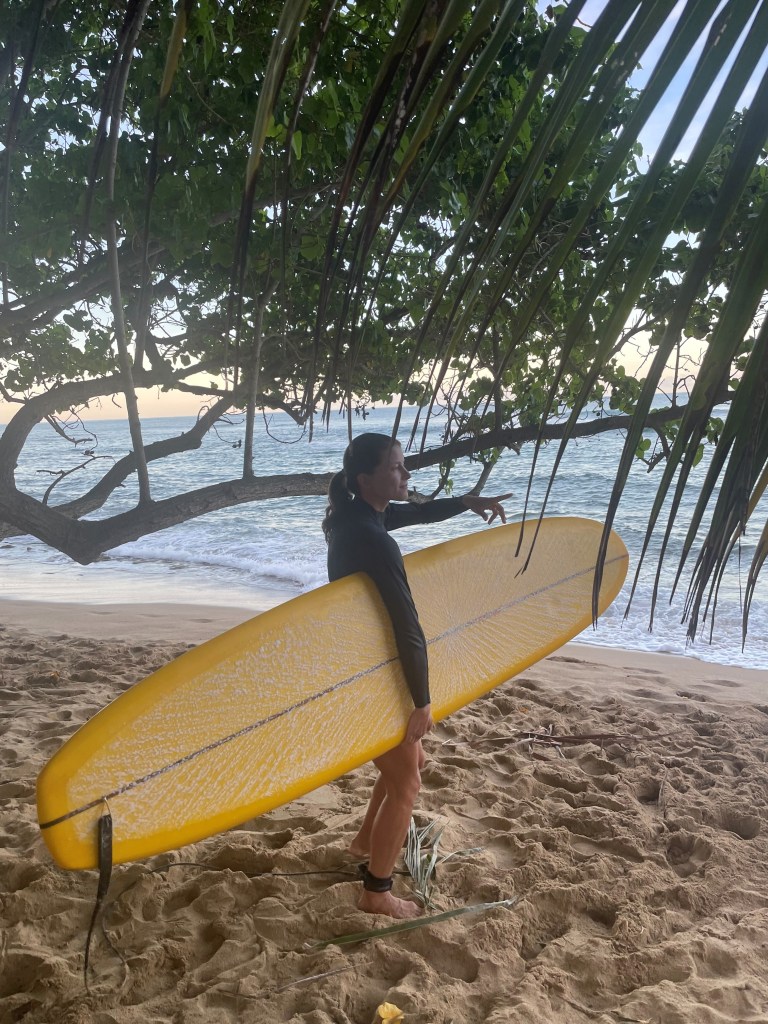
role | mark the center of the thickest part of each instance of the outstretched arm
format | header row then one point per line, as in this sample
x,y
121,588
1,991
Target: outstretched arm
x,y
399,514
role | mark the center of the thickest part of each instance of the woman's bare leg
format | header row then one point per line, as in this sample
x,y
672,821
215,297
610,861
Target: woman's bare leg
x,y
361,844
399,783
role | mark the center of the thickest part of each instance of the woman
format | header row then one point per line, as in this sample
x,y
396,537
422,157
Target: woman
x,y
356,526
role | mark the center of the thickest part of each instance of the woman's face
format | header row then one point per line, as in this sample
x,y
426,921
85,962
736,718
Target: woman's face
x,y
388,482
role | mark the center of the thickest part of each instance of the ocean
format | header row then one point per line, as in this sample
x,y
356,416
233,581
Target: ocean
x,y
256,555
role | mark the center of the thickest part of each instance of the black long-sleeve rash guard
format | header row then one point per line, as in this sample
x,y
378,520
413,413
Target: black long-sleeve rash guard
x,y
360,542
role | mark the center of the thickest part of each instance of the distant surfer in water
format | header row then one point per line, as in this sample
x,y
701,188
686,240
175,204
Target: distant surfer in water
x,y
356,526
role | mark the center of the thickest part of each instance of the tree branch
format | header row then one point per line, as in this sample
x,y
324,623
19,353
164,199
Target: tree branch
x,y
511,437
65,396
85,540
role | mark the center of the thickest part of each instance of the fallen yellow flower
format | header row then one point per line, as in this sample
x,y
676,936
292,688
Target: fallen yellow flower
x,y
390,1012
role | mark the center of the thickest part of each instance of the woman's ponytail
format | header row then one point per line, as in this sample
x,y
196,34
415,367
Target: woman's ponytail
x,y
339,498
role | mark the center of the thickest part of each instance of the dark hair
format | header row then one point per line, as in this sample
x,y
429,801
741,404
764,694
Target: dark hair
x,y
363,454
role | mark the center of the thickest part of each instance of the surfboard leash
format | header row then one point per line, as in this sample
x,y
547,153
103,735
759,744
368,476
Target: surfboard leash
x,y
102,909
105,832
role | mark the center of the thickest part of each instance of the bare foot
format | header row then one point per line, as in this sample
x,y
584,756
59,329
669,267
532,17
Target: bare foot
x,y
389,905
357,851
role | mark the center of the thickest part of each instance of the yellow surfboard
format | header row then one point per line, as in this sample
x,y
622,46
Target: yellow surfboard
x,y
304,692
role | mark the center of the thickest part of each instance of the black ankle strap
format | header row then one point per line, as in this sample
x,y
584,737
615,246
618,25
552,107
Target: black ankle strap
x,y
374,884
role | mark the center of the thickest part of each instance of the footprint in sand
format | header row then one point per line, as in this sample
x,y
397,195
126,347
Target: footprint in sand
x,y
560,780
220,957
647,791
246,858
87,676
729,684
274,840
273,920
182,897
50,728
603,914
598,767
595,840
536,935
16,789
22,972
450,958
745,826
20,874
687,853
459,761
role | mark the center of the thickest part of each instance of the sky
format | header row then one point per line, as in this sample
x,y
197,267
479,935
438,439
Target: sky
x,y
153,403
654,130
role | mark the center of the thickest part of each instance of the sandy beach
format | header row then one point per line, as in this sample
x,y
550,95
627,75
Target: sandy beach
x,y
638,857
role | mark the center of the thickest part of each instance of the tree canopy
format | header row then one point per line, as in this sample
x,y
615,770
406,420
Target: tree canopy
x,y
299,205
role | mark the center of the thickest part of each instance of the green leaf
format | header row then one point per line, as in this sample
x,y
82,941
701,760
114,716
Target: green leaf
x,y
412,924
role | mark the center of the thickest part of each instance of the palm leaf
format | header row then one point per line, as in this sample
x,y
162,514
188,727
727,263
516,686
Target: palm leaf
x,y
438,107
474,81
637,37
745,437
413,923
761,554
289,24
691,21
172,59
546,67
726,31
390,66
438,103
364,214
748,285
746,150
421,857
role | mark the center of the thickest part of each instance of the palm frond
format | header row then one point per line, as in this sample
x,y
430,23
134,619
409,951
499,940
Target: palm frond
x,y
421,857
288,27
745,438
611,76
172,60
749,283
725,34
391,64
760,557
411,924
